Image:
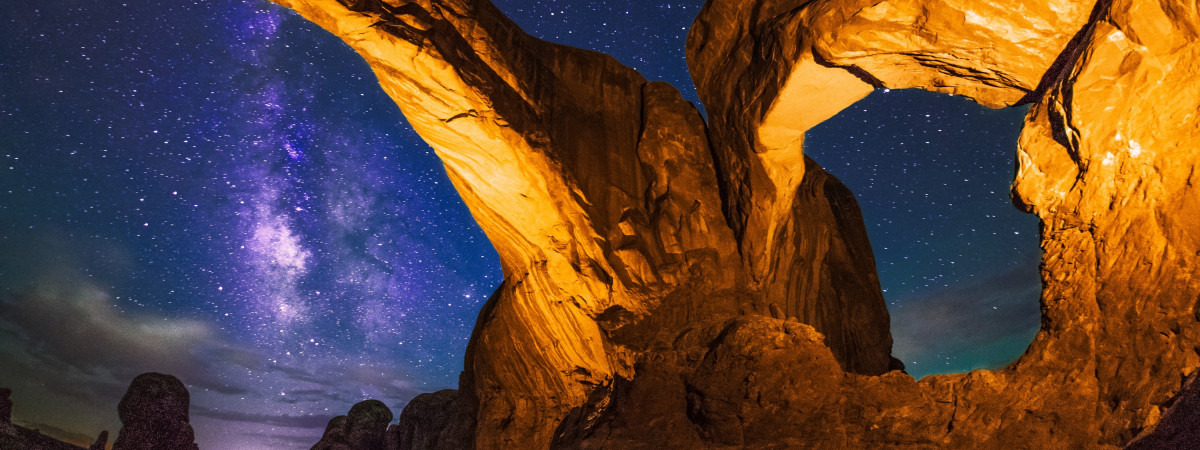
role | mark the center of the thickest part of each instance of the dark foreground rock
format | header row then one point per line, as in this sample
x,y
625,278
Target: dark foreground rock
x,y
16,437
363,428
434,420
154,415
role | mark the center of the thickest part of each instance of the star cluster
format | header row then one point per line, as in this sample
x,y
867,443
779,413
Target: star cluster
x,y
220,190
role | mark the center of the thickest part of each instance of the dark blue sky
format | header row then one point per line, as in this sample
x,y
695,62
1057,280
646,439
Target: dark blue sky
x,y
219,190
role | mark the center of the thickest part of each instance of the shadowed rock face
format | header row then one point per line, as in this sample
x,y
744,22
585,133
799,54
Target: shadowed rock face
x,y
363,428
671,283
6,405
154,415
17,437
1180,424
101,442
431,420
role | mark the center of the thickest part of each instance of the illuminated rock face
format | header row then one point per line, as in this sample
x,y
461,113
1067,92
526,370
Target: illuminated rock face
x,y
657,295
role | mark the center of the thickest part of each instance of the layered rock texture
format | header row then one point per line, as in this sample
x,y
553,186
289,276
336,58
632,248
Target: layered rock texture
x,y
672,283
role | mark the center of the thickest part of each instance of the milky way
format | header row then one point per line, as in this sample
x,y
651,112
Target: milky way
x,y
221,191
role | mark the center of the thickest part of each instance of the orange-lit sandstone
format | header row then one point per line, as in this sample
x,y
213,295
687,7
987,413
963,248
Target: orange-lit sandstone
x,y
657,296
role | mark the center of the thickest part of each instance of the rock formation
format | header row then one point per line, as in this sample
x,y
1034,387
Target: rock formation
x,y
334,435
6,405
13,436
1180,424
431,420
363,428
101,442
673,283
154,415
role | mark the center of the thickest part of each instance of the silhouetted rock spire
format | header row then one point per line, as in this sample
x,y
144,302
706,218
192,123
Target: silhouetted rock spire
x,y
154,415
101,441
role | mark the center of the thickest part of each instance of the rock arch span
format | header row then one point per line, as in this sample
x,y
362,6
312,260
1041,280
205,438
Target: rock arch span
x,y
671,282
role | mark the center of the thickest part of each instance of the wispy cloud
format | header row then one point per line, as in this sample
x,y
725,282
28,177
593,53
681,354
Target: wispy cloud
x,y
300,421
1001,311
88,333
68,350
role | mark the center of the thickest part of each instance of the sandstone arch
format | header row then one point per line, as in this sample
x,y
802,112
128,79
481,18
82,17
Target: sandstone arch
x,y
657,295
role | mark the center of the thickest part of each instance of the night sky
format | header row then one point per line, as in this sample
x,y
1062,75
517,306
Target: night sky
x,y
219,190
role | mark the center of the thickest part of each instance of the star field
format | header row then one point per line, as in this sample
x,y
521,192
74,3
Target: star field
x,y
220,190
958,263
